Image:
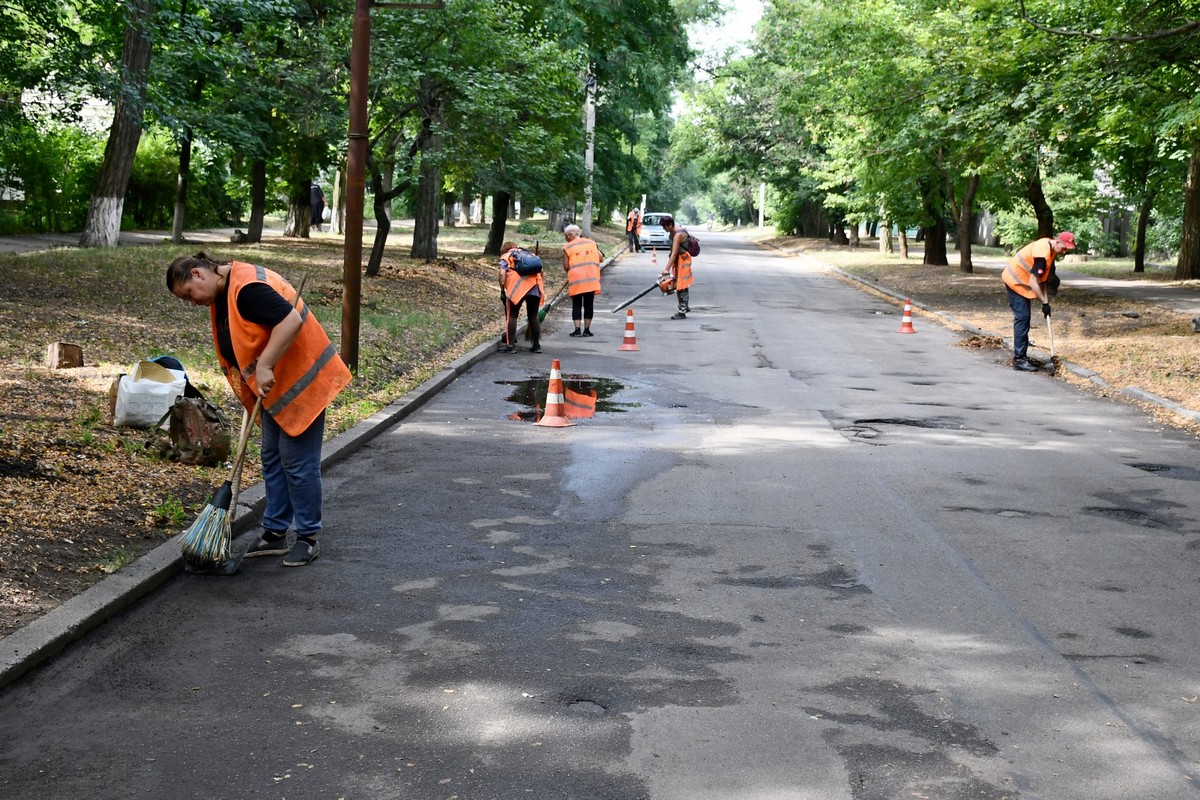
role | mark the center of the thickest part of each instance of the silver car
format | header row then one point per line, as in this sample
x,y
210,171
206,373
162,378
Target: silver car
x,y
653,234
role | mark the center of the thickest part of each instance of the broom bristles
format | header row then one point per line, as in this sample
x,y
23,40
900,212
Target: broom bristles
x,y
206,542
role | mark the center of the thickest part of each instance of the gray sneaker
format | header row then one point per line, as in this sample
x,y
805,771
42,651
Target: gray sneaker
x,y
303,551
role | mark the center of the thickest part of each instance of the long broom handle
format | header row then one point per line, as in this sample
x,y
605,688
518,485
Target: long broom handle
x,y
1050,333
235,477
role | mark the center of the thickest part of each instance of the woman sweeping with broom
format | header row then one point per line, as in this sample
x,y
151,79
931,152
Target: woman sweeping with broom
x,y
279,353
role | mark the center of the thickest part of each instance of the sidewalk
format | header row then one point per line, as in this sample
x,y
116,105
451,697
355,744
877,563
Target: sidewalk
x,y
34,242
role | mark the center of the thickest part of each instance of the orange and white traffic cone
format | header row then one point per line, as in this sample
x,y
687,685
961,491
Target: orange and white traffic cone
x,y
654,257
556,412
630,342
906,322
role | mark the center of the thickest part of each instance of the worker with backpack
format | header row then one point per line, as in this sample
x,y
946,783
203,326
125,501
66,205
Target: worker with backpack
x,y
679,264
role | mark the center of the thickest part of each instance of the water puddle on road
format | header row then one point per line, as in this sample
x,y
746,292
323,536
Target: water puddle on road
x,y
584,397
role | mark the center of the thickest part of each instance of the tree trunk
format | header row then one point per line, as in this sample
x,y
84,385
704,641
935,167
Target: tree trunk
x,y
1188,267
886,245
383,226
181,185
1041,208
258,200
854,241
337,210
299,210
429,200
499,221
448,216
965,215
102,227
903,243
466,203
934,226
1143,222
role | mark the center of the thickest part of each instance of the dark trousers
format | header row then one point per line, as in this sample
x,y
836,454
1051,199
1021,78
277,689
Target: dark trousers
x,y
1021,314
531,304
633,241
581,307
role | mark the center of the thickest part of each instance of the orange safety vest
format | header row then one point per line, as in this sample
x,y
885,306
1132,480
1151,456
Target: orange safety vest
x,y
631,221
1016,274
683,264
310,372
582,259
517,286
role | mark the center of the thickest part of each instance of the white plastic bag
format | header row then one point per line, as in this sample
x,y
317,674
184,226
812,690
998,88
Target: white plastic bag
x,y
144,397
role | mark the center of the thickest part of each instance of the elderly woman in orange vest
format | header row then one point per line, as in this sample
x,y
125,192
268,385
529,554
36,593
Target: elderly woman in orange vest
x,y
278,352
679,265
1025,278
520,290
581,262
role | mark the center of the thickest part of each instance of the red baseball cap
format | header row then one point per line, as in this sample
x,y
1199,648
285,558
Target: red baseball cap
x,y
1067,238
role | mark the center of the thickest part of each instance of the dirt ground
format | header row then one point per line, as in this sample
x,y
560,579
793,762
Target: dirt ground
x,y
79,498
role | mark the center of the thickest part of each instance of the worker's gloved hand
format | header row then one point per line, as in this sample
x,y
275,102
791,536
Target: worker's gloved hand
x,y
1045,309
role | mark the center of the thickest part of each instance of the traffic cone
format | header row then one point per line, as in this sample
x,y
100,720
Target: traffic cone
x,y
556,414
630,342
906,322
654,257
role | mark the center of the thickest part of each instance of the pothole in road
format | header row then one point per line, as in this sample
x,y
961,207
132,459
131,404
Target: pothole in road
x,y
1171,471
584,396
586,708
1129,515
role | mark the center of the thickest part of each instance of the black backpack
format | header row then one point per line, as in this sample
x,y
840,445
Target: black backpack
x,y
691,244
525,262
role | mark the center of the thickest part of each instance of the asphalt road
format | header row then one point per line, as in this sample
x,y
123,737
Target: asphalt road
x,y
801,555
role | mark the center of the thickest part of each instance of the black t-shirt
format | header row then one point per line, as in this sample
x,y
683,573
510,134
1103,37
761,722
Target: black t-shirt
x,y
259,304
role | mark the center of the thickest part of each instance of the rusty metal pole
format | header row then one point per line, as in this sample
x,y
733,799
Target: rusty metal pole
x,y
356,172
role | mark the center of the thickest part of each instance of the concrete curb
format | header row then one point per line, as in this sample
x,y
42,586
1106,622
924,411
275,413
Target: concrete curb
x,y
50,634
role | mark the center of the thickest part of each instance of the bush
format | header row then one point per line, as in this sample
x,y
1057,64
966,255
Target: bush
x,y
528,228
50,171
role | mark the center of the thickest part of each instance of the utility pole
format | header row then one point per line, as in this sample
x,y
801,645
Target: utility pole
x,y
762,201
589,158
356,171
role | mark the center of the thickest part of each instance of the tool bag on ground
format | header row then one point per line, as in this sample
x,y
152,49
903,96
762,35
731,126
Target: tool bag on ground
x,y
525,262
198,433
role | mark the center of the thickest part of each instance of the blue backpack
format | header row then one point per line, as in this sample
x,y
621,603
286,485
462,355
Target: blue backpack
x,y
525,262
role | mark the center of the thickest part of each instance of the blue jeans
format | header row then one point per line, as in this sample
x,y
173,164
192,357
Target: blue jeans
x,y
292,473
1021,314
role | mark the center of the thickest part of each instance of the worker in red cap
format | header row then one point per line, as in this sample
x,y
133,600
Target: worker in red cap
x,y
1026,278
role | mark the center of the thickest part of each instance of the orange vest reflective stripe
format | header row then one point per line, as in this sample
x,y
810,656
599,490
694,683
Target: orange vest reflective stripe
x,y
517,286
1016,274
310,372
683,265
582,259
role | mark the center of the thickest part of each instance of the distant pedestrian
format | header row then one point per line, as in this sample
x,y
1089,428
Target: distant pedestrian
x,y
1028,272
633,226
270,349
581,262
317,202
679,265
520,290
